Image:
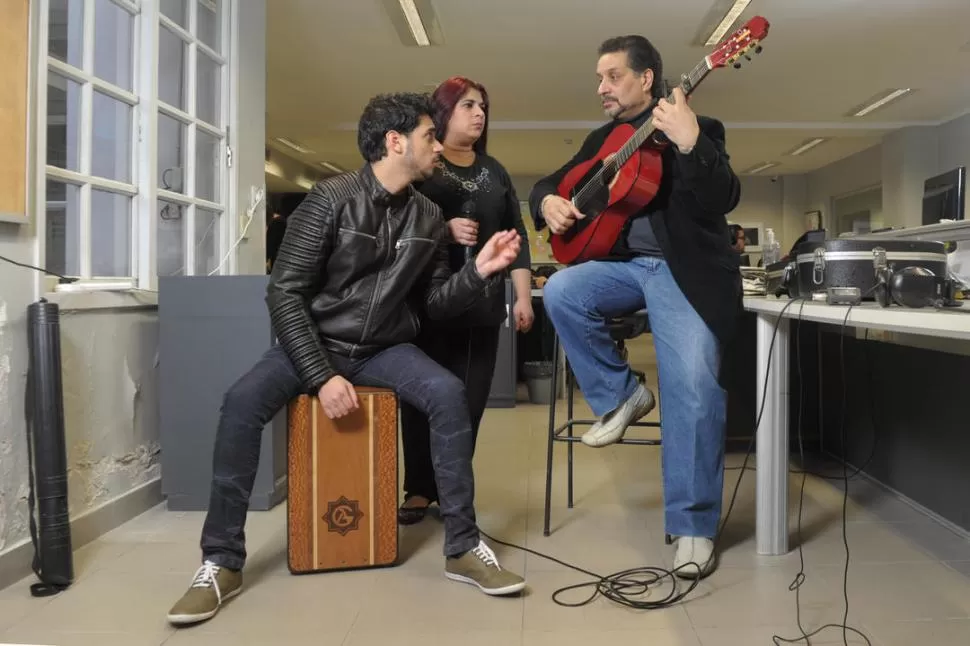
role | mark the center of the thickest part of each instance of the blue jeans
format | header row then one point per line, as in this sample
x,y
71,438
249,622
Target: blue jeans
x,y
273,381
578,300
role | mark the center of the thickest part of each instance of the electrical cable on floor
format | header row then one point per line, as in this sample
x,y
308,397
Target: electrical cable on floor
x,y
800,577
624,587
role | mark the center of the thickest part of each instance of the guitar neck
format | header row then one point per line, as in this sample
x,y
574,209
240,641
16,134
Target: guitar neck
x,y
688,84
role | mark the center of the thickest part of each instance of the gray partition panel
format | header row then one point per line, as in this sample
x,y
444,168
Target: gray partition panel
x,y
211,331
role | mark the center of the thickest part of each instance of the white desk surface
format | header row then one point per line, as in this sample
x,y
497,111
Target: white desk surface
x,y
950,324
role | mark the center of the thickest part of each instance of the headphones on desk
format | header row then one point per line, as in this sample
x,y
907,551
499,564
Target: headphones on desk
x,y
914,287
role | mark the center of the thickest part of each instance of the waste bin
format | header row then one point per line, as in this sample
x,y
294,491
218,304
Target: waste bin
x,y
538,380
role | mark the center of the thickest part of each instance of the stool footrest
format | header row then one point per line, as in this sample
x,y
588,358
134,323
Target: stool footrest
x,y
558,437
625,440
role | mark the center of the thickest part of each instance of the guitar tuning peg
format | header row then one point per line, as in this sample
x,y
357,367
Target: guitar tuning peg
x,y
757,50
737,66
747,57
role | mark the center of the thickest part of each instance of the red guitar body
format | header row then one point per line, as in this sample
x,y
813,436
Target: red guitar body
x,y
607,206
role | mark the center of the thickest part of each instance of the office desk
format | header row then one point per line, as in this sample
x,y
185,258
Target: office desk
x,y
772,362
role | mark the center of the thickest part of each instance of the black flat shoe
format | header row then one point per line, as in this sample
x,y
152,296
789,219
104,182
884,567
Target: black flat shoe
x,y
411,515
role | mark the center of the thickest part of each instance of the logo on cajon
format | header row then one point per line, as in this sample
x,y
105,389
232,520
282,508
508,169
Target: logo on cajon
x,y
343,515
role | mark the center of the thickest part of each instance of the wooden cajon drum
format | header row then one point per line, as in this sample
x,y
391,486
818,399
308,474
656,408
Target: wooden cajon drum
x,y
342,484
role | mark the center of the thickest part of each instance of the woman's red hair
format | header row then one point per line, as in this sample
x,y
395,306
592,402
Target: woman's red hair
x,y
446,96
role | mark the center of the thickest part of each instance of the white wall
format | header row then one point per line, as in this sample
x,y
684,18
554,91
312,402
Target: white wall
x,y
909,157
16,243
761,204
249,126
109,357
862,170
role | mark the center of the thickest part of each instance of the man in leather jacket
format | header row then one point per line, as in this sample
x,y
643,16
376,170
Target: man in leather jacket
x,y
362,256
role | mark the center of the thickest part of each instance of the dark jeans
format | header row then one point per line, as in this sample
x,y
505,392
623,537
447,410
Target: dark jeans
x,y
270,385
469,353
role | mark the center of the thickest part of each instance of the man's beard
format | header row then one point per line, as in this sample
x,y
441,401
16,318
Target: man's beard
x,y
417,173
615,111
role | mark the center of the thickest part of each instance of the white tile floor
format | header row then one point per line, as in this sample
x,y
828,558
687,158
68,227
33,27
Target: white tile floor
x,y
909,578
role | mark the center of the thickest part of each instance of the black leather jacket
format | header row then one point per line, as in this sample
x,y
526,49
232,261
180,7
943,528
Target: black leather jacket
x,y
356,268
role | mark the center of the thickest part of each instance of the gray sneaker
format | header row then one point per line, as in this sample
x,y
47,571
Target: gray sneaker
x,y
211,586
611,428
480,567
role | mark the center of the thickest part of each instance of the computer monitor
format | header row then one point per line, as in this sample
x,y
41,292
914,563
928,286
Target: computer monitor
x,y
944,195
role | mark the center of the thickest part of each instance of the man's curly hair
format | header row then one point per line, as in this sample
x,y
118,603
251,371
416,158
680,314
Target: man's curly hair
x,y
400,112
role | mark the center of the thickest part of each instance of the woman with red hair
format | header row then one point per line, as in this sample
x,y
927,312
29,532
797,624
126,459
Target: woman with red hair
x,y
476,195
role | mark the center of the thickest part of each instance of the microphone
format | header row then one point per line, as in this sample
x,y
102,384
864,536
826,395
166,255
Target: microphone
x,y
468,211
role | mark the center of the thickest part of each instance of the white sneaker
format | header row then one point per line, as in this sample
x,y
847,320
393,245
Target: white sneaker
x,y
611,428
694,558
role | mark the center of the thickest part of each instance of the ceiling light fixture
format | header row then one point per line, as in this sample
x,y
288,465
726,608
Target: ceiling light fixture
x,y
760,167
331,167
298,147
805,146
727,21
878,101
414,22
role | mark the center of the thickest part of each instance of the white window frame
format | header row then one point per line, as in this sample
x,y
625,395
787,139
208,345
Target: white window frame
x,y
189,119
143,188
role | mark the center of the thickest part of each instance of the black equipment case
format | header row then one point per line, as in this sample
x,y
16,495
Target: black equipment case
x,y
853,262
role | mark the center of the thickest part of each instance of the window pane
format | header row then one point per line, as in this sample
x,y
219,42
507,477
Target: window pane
x,y
171,154
113,44
171,69
208,90
110,234
170,253
176,10
111,145
65,24
206,241
209,23
63,121
63,237
206,166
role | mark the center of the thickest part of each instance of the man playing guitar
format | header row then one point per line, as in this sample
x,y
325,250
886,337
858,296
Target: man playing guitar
x,y
674,258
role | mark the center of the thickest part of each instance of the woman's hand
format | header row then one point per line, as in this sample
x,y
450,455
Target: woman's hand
x,y
463,231
524,316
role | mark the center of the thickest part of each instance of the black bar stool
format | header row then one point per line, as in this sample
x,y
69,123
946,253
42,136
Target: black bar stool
x,y
622,329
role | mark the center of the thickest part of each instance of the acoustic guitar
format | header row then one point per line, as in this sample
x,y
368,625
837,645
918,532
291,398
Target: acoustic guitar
x,y
624,175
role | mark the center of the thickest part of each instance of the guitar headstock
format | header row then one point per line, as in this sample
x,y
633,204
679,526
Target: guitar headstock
x,y
739,43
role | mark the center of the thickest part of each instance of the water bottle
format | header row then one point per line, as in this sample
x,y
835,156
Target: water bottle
x,y
772,248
